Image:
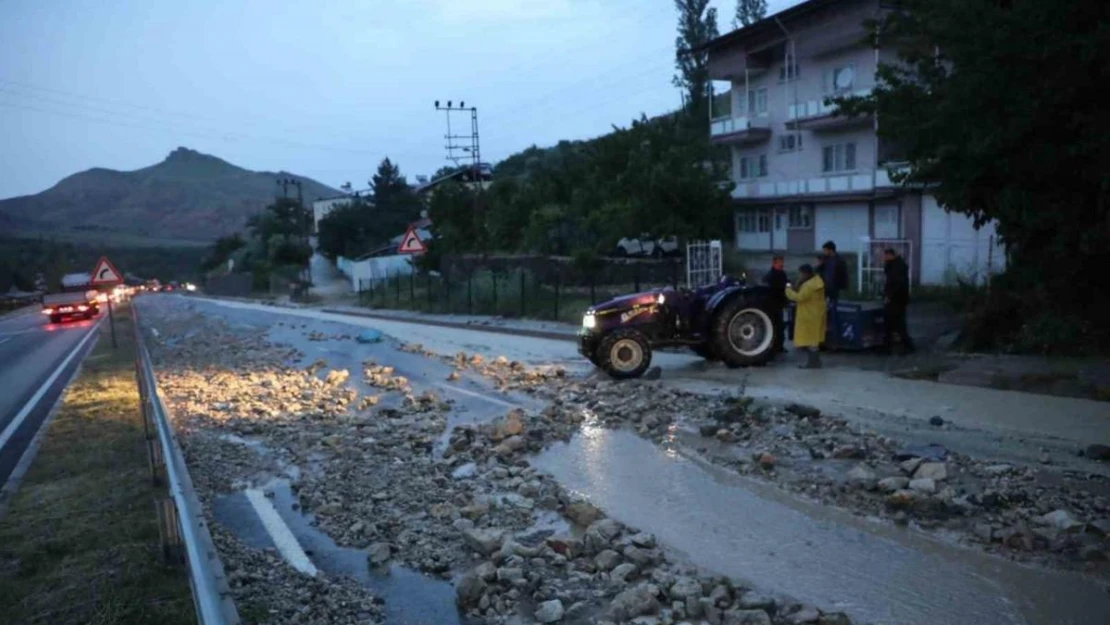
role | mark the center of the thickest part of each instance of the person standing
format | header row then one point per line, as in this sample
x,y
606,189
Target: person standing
x,y
776,280
896,298
834,273
809,318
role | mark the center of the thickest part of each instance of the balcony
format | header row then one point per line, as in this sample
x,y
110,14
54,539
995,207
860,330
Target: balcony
x,y
817,116
849,184
740,130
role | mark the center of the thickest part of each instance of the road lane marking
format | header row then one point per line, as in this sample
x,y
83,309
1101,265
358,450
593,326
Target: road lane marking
x,y
492,400
31,403
280,533
5,339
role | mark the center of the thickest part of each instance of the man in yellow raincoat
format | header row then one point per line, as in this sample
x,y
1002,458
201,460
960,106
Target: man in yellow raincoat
x,y
809,318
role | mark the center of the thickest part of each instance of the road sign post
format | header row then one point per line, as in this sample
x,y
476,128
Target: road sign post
x,y
411,243
105,274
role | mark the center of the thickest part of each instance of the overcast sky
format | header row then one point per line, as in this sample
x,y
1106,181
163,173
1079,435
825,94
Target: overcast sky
x,y
323,88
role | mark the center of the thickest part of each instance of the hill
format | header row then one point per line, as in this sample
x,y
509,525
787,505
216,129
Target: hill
x,y
189,196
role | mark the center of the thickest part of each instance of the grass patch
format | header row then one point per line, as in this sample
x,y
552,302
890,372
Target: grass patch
x,y
79,542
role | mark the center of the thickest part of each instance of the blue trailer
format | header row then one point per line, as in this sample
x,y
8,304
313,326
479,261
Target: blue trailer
x,y
860,326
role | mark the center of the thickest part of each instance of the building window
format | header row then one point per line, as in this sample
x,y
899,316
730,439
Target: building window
x,y
801,217
839,157
753,221
840,79
789,69
757,102
753,166
790,142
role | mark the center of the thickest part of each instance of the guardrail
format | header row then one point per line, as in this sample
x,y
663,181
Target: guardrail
x,y
185,536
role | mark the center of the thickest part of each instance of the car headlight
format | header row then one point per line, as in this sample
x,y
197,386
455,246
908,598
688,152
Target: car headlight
x,y
662,299
589,322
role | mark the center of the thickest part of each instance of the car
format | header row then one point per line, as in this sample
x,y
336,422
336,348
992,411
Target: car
x,y
60,307
728,320
645,245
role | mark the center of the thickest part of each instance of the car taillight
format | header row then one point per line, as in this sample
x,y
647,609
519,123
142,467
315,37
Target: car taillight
x,y
82,308
48,311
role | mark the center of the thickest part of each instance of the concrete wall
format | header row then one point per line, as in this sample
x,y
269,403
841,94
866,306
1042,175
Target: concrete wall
x,y
952,248
364,272
842,223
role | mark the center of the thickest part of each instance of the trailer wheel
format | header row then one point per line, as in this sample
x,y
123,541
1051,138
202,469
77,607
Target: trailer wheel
x,y
743,332
624,354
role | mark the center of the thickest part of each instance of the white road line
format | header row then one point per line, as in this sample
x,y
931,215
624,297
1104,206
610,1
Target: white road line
x,y
492,400
30,405
283,538
5,340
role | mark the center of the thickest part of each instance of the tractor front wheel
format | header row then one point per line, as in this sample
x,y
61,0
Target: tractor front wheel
x,y
624,354
743,332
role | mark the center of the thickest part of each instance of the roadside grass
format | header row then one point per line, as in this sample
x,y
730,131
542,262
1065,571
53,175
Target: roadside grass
x,y
79,540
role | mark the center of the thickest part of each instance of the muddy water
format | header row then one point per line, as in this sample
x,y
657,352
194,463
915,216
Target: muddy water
x,y
410,598
753,532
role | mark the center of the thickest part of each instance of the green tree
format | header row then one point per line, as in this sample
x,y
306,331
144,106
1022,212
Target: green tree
x,y
995,110
395,204
221,251
697,25
749,12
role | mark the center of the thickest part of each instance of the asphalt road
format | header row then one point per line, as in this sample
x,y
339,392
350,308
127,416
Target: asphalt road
x,y
37,360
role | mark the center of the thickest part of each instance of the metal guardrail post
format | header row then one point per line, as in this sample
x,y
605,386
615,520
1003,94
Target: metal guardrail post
x,y
184,530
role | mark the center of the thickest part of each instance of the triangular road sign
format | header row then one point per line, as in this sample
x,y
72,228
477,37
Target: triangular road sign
x,y
411,243
105,273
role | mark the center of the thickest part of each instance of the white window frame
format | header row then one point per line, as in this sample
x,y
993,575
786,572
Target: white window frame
x,y
752,167
788,71
756,106
829,80
790,142
839,158
753,221
800,217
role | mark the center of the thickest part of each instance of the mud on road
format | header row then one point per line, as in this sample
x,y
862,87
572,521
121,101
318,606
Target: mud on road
x,y
422,463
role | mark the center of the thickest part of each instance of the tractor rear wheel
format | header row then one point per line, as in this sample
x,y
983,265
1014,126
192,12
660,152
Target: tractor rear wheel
x,y
743,332
624,354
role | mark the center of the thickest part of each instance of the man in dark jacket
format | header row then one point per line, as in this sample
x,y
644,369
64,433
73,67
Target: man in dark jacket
x,y
834,271
776,280
896,297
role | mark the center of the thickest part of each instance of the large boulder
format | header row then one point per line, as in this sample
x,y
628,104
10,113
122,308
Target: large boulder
x,y
634,602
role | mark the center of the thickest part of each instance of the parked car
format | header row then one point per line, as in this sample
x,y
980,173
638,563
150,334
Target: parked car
x,y
645,245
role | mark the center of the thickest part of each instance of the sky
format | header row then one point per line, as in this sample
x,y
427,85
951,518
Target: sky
x,y
324,89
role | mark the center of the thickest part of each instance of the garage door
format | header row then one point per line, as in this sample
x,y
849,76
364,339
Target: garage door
x,y
951,247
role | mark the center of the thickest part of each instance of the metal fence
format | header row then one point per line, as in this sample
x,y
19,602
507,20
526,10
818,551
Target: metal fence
x,y
561,293
871,277
704,263
185,536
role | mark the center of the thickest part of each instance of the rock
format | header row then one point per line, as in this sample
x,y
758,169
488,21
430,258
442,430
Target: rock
x,y
621,572
1061,520
685,587
766,461
550,611
1098,452
932,451
936,421
607,559
834,618
862,476
378,554
1099,527
1092,553
637,556
745,617
600,533
900,499
465,471
983,531
891,484
633,602
936,471
849,452
997,469
711,612
454,375
923,485
643,539
510,574
802,411
808,614
470,590
720,596
708,431
484,541
486,571
653,373
583,513
475,510
909,466
336,377
752,600
567,546
514,423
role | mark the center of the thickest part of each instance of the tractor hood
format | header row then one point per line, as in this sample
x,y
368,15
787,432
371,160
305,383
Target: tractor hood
x,y
625,302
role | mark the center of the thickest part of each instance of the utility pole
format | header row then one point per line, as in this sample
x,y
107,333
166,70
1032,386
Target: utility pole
x,y
469,144
304,222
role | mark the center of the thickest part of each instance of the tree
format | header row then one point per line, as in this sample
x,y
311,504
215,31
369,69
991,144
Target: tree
x,y
387,183
993,106
221,251
697,25
749,12
395,204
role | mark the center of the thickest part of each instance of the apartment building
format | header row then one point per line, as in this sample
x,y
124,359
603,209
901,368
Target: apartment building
x,y
804,175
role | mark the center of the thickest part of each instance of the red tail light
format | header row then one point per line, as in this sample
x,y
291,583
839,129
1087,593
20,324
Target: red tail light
x,y
48,311
82,308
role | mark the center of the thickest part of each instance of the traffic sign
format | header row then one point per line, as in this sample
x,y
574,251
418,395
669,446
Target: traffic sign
x,y
411,243
105,274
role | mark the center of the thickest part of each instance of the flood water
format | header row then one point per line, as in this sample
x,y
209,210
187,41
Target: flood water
x,y
753,532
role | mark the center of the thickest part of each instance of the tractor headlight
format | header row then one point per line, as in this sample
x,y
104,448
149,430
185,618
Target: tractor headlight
x,y
662,299
589,321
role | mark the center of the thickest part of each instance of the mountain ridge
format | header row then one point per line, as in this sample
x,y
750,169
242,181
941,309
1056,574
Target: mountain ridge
x,y
189,195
